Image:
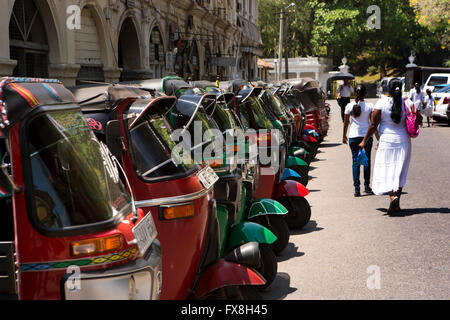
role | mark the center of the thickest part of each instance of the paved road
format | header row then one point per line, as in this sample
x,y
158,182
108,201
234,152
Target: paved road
x,y
349,241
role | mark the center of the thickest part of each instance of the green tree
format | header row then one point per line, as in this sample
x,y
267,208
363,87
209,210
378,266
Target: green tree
x,y
299,26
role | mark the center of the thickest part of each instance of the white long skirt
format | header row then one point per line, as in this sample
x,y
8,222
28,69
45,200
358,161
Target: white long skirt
x,y
391,166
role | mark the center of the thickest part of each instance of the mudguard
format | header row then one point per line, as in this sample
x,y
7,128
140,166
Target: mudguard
x,y
307,138
295,161
222,274
290,188
309,127
261,207
247,232
222,216
289,173
311,133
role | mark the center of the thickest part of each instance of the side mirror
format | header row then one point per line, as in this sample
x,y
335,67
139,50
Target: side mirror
x,y
113,138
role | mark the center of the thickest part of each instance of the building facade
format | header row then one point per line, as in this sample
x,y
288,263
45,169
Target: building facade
x,y
120,40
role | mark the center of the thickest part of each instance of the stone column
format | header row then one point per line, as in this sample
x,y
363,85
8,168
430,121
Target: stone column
x,y
7,66
112,74
64,72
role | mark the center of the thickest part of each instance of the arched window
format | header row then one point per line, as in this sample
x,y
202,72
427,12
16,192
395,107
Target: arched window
x,y
157,54
28,41
129,54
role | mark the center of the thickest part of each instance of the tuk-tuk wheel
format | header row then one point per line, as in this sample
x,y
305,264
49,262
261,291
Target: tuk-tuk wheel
x,y
269,265
278,226
299,211
244,292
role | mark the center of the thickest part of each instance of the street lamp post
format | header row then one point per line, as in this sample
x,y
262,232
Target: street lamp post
x,y
282,41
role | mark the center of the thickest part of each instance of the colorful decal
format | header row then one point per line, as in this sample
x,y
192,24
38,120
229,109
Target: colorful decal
x,y
91,261
26,94
94,124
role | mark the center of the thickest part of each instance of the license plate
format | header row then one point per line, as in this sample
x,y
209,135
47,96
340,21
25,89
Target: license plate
x,y
207,177
145,232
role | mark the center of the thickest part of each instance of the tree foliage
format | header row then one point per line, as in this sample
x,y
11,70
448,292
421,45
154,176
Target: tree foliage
x,y
337,28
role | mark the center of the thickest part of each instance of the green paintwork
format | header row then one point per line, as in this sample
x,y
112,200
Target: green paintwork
x,y
249,232
295,161
294,149
261,207
222,216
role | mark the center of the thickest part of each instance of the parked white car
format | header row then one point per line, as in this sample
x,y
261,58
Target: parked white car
x,y
435,79
442,109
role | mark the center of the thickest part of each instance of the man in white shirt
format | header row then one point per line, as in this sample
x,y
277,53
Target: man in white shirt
x,y
344,92
417,96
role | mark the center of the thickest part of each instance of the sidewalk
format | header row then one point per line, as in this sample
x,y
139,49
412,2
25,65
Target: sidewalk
x,y
347,236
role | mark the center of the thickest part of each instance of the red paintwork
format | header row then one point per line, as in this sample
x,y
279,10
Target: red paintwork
x,y
318,119
182,240
266,183
290,188
32,246
224,273
309,127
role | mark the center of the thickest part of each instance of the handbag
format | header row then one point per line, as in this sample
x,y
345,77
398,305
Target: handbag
x,y
362,159
413,119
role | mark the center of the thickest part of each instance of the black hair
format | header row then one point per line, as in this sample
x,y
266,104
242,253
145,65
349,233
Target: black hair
x,y
360,95
395,90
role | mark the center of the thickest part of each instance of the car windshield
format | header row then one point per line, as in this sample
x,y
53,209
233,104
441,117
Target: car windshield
x,y
437,80
74,181
152,147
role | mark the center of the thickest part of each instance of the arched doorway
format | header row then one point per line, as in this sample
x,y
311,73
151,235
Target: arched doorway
x,y
207,64
88,52
129,54
157,54
28,41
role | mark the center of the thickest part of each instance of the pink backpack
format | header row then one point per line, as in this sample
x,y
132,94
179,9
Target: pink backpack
x,y
413,118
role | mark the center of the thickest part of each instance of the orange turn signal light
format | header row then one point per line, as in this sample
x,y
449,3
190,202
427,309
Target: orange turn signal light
x,y
177,212
96,245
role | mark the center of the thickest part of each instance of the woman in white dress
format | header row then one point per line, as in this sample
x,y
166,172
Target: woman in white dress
x,y
427,111
394,151
357,116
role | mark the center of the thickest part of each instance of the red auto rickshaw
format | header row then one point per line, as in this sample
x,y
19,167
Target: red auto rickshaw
x,y
68,227
179,196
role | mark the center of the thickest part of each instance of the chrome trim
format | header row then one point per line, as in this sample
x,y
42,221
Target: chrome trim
x,y
173,200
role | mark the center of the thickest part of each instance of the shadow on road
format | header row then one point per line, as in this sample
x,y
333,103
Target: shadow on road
x,y
329,145
314,190
291,251
411,212
310,227
279,288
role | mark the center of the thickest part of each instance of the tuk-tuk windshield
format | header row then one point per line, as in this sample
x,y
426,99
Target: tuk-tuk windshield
x,y
152,147
75,183
258,114
273,102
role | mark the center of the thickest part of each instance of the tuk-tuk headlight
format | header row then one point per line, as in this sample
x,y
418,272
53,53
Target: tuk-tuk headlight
x,y
96,245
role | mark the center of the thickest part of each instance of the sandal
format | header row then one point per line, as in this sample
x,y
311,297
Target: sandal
x,y
394,206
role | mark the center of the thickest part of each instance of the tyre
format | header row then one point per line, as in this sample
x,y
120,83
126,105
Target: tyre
x,y
299,211
269,265
278,226
244,292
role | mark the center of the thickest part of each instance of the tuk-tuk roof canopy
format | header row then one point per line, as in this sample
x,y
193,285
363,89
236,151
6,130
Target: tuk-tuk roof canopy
x,y
304,84
106,96
18,96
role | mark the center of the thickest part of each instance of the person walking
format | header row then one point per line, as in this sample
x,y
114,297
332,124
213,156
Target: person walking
x,y
357,116
394,152
428,106
417,97
344,92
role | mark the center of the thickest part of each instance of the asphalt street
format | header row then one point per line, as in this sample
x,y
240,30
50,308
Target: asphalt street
x,y
351,249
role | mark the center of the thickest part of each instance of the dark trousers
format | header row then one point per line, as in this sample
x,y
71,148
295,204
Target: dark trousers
x,y
354,146
342,102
